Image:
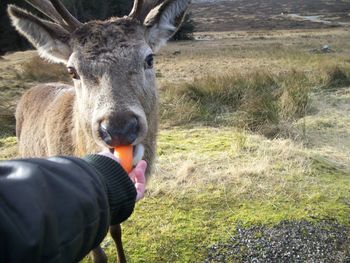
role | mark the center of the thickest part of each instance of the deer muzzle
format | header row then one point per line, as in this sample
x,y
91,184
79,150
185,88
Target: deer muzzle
x,y
119,129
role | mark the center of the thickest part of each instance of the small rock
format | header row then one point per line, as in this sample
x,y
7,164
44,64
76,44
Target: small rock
x,y
323,49
326,49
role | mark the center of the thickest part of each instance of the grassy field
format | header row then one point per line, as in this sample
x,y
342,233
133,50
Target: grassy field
x,y
255,130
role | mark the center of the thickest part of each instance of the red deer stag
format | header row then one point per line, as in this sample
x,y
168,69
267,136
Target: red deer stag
x,y
114,99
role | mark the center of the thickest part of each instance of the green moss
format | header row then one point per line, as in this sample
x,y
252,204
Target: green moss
x,y
200,141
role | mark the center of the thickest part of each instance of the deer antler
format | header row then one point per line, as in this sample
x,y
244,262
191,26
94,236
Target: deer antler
x,y
72,22
55,10
136,9
47,9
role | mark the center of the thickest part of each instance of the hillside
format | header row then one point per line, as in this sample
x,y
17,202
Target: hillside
x,y
227,15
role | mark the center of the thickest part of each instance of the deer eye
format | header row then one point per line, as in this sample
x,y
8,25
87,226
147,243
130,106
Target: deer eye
x,y
149,62
73,73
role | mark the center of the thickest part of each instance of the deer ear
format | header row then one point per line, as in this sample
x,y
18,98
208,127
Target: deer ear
x,y
50,39
163,21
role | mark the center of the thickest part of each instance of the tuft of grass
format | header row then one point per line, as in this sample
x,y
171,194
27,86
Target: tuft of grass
x,y
336,77
38,70
176,109
257,101
295,95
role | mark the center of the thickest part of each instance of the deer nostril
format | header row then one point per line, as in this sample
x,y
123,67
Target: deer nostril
x,y
128,133
132,126
103,131
119,131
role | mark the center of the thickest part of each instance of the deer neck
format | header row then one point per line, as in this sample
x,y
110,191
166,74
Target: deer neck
x,y
84,142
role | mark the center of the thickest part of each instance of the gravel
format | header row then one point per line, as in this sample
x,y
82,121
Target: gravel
x,y
300,241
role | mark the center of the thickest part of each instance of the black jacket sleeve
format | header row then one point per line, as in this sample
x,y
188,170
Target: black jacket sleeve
x,y
57,210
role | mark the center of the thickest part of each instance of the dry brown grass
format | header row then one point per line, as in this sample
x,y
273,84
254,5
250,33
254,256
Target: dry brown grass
x,y
243,52
38,70
201,158
257,101
20,71
337,77
8,148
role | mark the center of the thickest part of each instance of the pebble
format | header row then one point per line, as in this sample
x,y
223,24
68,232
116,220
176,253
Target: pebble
x,y
296,241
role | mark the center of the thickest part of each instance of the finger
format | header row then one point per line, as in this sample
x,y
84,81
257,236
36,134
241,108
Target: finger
x,y
140,180
132,174
140,189
140,171
140,168
132,177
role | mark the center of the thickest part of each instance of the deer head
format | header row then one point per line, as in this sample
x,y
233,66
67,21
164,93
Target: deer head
x,y
110,62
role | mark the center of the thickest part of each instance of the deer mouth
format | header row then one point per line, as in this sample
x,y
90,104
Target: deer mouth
x,y
138,153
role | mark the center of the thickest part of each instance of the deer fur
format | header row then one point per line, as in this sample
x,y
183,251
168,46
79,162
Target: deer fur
x,y
109,59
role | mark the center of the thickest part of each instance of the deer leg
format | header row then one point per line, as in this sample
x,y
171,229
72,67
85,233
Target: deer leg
x,y
99,255
116,233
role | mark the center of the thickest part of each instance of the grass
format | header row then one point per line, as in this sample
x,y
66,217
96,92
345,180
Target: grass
x,y
337,77
258,101
7,118
39,70
248,181
8,148
216,167
21,71
258,97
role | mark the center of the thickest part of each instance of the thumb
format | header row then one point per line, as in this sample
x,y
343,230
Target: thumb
x,y
138,174
140,170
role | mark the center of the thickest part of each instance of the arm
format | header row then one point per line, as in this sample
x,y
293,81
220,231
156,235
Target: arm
x,y
59,209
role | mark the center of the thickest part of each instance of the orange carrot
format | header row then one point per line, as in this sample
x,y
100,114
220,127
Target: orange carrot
x,y
125,155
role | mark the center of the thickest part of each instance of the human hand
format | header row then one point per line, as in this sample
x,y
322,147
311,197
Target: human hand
x,y
137,175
